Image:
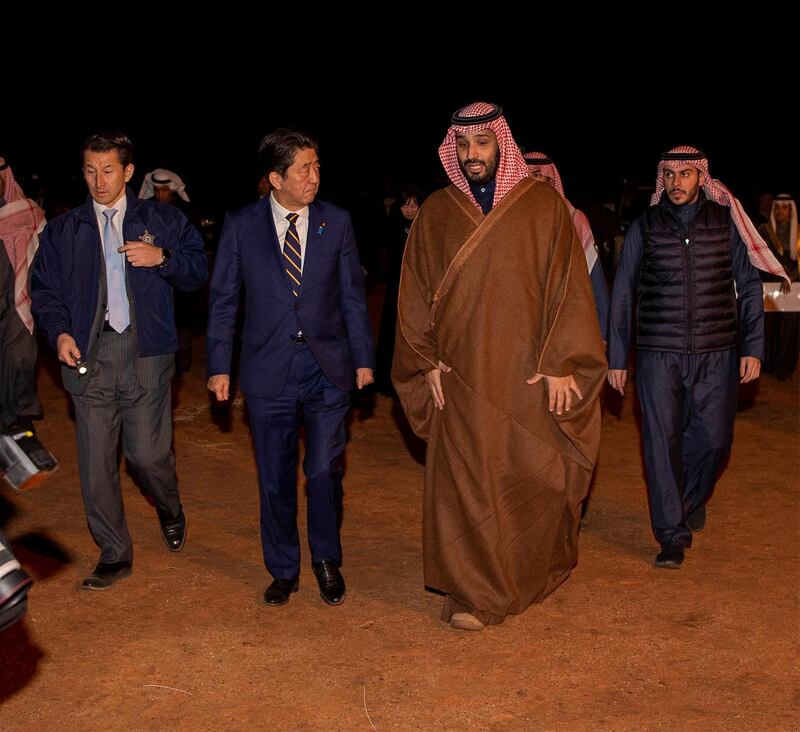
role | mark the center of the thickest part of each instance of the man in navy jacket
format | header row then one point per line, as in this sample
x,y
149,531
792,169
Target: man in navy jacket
x,y
688,268
102,289
306,341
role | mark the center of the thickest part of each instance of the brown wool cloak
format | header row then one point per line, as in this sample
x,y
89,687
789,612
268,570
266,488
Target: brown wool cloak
x,y
499,298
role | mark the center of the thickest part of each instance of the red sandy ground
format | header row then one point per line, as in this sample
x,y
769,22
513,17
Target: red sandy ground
x,y
186,642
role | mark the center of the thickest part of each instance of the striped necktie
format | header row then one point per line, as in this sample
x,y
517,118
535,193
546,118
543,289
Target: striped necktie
x,y
291,253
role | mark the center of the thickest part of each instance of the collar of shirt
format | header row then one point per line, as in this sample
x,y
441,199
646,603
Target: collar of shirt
x,y
279,214
685,214
484,194
122,206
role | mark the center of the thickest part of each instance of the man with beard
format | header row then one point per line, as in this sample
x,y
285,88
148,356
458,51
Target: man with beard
x,y
498,365
688,266
780,234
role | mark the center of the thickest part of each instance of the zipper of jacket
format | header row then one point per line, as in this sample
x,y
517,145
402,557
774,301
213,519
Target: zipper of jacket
x,y
688,290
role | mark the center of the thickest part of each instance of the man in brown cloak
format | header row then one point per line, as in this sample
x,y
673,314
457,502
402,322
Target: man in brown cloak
x,y
498,364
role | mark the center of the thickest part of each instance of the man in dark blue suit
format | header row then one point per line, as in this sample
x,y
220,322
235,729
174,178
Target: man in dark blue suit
x,y
102,289
306,341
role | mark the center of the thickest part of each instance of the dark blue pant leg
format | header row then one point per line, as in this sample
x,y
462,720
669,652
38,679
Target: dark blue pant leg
x,y
660,380
274,424
708,436
324,410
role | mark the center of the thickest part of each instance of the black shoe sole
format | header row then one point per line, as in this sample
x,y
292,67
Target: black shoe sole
x,y
331,602
121,576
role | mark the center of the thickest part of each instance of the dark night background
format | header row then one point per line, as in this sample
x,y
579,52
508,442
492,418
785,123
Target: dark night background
x,y
380,120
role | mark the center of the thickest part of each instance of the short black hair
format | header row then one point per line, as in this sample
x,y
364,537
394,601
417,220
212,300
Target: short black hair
x,y
278,148
105,141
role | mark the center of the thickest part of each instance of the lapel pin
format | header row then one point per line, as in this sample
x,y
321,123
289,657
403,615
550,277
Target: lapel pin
x,y
321,229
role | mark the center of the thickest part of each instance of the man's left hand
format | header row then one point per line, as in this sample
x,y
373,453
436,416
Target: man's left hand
x,y
559,389
142,254
749,369
363,377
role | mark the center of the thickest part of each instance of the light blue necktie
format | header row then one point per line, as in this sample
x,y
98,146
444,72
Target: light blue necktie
x,y
119,316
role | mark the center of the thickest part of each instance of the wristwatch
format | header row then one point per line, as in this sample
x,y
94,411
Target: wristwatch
x,y
166,255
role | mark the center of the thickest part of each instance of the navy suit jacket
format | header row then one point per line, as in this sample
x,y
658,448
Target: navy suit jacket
x,y
330,309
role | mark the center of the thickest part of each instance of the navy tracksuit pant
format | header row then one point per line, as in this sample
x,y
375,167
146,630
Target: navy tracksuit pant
x,y
688,408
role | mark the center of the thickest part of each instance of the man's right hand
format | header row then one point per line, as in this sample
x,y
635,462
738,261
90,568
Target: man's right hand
x,y
617,379
220,384
434,381
67,349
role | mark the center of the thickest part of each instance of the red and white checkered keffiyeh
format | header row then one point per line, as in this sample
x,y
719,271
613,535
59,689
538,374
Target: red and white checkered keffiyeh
x,y
511,169
758,251
542,163
21,221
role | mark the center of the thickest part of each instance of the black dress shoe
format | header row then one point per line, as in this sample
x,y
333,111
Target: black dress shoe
x,y
331,582
279,592
105,575
670,556
696,520
173,530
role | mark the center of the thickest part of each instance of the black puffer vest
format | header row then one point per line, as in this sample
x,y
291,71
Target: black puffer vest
x,y
687,301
